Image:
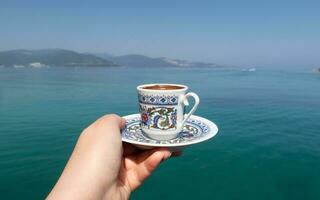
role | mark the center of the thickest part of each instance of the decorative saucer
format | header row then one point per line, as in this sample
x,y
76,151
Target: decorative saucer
x,y
196,130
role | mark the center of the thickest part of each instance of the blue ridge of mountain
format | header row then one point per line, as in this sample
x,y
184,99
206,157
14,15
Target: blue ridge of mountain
x,y
134,60
51,57
61,57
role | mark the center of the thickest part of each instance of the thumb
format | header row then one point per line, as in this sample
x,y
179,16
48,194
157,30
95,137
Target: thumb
x,y
156,157
122,123
112,120
148,162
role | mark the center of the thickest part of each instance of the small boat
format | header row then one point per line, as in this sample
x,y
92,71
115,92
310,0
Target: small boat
x,y
18,66
249,70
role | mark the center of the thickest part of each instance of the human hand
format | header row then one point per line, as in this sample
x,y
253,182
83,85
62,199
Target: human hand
x,y
102,167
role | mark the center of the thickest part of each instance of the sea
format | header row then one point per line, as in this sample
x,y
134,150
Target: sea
x,y
268,145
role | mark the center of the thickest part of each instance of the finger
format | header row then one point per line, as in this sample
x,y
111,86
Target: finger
x,y
106,130
110,119
122,123
151,162
176,154
142,164
129,149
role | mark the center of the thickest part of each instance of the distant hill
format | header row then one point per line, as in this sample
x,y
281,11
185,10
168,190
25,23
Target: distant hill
x,y
102,55
134,60
50,57
139,61
61,57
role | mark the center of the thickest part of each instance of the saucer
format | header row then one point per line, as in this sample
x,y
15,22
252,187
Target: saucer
x,y
197,129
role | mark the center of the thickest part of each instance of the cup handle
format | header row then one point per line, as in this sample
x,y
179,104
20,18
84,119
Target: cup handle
x,y
184,100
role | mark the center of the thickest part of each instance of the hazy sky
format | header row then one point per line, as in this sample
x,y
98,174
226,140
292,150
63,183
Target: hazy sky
x,y
266,33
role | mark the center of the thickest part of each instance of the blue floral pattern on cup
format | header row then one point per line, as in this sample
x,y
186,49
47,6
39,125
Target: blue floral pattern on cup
x,y
158,100
163,118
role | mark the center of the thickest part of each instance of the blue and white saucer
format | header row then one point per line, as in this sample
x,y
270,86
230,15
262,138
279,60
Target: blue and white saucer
x,y
196,130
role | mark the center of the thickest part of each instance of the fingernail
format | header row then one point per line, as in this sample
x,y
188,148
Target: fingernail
x,y
167,155
123,122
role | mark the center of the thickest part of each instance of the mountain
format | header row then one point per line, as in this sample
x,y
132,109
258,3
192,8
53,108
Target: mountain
x,y
139,61
134,60
61,57
50,57
186,63
102,55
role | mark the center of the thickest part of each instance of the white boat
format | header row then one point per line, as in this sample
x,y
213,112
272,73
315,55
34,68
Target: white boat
x,y
249,70
37,65
18,66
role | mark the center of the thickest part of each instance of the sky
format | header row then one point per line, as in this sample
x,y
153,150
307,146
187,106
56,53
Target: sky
x,y
247,33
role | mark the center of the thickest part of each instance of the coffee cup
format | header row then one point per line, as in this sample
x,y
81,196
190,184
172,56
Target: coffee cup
x,y
162,109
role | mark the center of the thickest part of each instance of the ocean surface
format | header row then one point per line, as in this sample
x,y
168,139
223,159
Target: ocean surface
x,y
268,146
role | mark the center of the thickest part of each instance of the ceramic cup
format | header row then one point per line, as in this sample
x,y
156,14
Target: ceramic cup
x,y
162,109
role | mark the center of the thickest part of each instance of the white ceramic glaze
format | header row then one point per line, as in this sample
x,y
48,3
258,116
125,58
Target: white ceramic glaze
x,y
162,111
195,130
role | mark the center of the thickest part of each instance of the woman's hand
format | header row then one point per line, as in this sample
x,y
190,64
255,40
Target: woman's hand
x,y
102,167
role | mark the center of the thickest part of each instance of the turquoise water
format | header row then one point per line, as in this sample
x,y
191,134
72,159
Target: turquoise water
x,y
268,146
